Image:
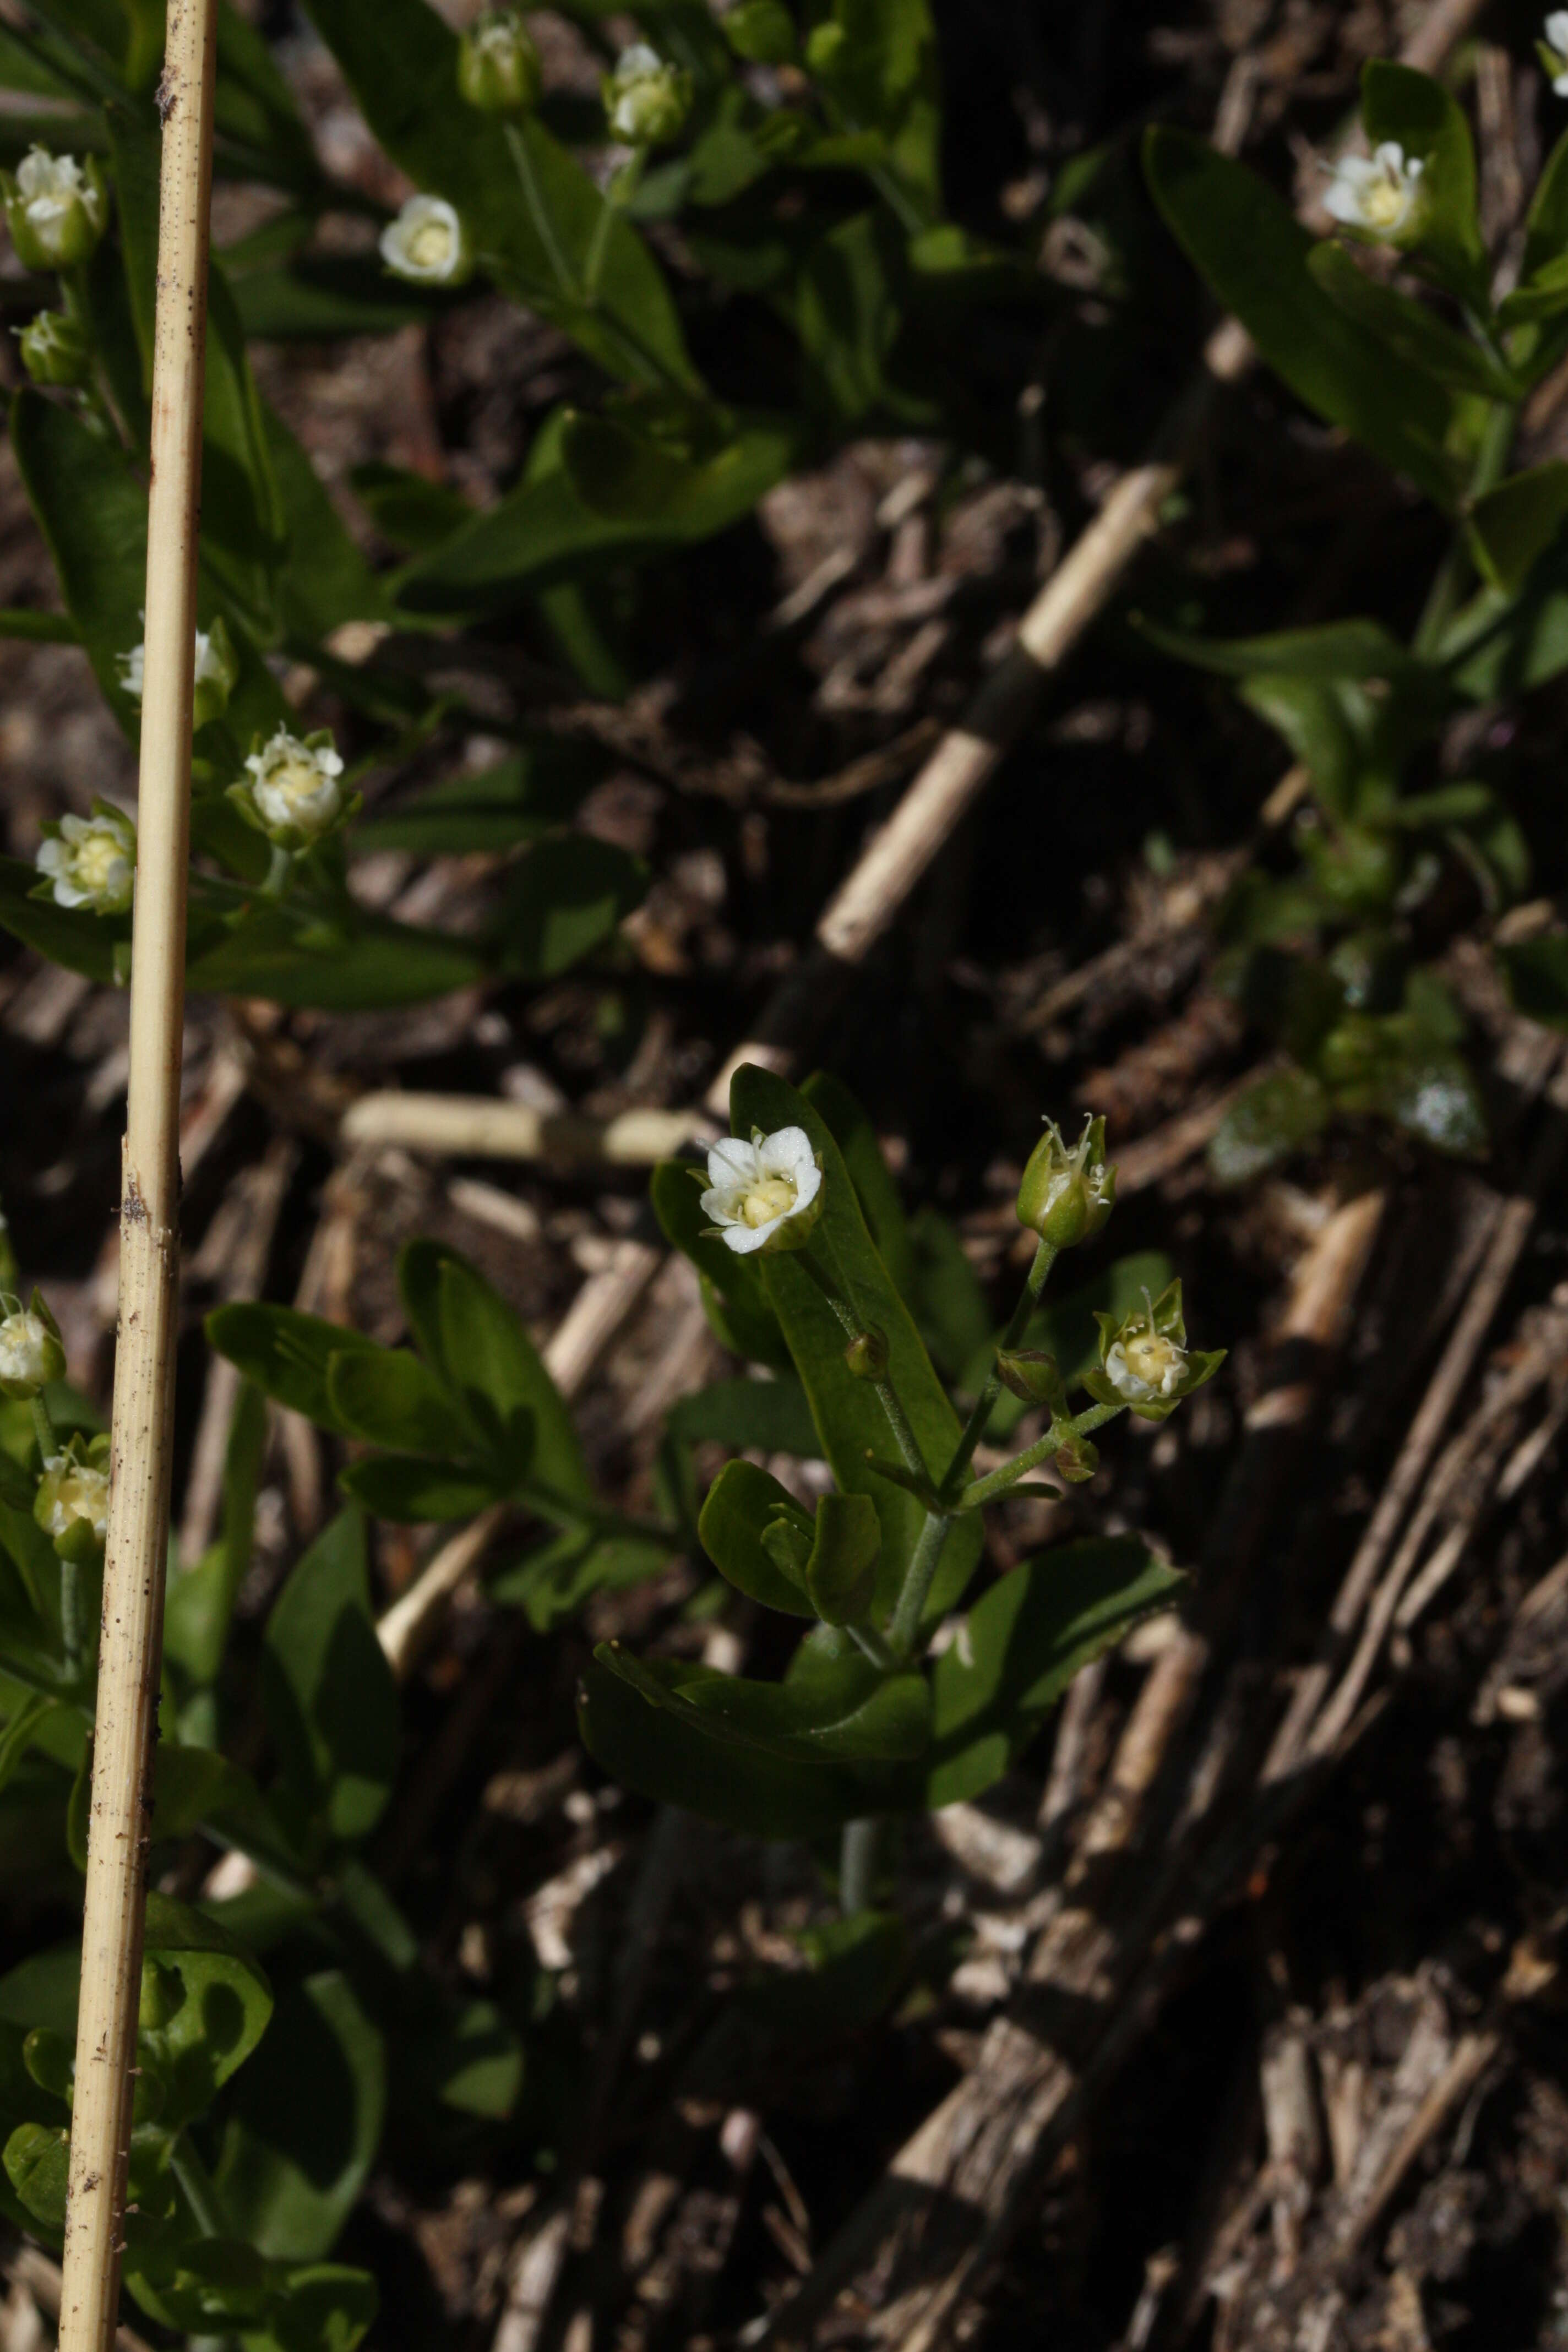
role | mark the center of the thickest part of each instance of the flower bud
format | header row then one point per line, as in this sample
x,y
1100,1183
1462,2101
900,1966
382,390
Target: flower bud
x,y
72,1502
54,349
31,1355
427,244
761,31
866,1354
498,65
55,210
89,861
1067,1193
216,673
1034,1376
646,101
293,794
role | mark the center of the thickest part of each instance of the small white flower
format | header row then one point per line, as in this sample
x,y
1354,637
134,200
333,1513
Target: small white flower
x,y
426,243
646,100
73,1492
294,788
1555,50
1143,1365
56,210
30,1353
90,861
1377,194
765,1194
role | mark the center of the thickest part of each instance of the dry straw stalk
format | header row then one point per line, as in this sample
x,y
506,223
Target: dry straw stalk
x,y
144,1388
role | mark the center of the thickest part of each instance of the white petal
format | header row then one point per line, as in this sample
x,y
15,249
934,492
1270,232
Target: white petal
x,y
785,1153
744,1239
732,1161
1390,157
1557,29
716,1205
808,1184
1559,87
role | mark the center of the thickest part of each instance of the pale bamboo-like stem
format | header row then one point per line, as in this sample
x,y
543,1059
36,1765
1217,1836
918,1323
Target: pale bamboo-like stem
x,y
132,1639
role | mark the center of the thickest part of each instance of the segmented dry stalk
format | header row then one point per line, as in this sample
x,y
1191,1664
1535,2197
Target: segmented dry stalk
x,y
144,1387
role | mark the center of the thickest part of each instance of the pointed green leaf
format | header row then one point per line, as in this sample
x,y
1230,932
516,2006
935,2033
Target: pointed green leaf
x,y
328,1690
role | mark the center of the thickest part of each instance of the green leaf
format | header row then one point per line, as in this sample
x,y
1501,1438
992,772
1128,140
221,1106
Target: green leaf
x,y
1334,649
93,511
749,1416
946,1292
38,628
213,2004
841,1572
302,2131
848,1413
399,1486
1512,527
1325,723
471,2061
286,1355
848,313
253,105
38,2164
862,1715
1273,1119
733,1295
516,801
1410,329
677,1760
1254,254
387,1397
742,1504
564,897
1022,1645
323,2307
199,1600
328,1691
1546,228
314,297
629,479
883,1211
71,936
325,580
477,1347
854,1971
552,1581
878,61
368,964
408,508
401,64
1416,112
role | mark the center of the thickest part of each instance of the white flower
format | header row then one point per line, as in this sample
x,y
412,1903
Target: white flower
x,y
426,243
294,794
646,100
1377,194
56,211
73,1492
765,1194
1556,49
90,861
29,1354
1142,1365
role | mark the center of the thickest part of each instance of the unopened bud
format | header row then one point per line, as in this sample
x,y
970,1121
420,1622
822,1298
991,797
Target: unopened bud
x,y
55,209
71,1504
498,65
646,101
1067,1190
866,1354
1034,1376
54,349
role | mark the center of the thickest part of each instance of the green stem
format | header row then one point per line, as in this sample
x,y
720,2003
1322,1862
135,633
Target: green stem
x,y
904,1633
44,1431
1019,1323
199,2187
538,213
70,1617
985,1490
858,1864
1454,572
616,198
867,1639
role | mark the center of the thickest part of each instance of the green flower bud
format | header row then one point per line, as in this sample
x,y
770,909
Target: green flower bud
x,y
55,210
1068,1193
1034,1376
293,794
54,349
646,101
31,1355
498,65
89,861
866,1354
1145,1362
72,1502
216,673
